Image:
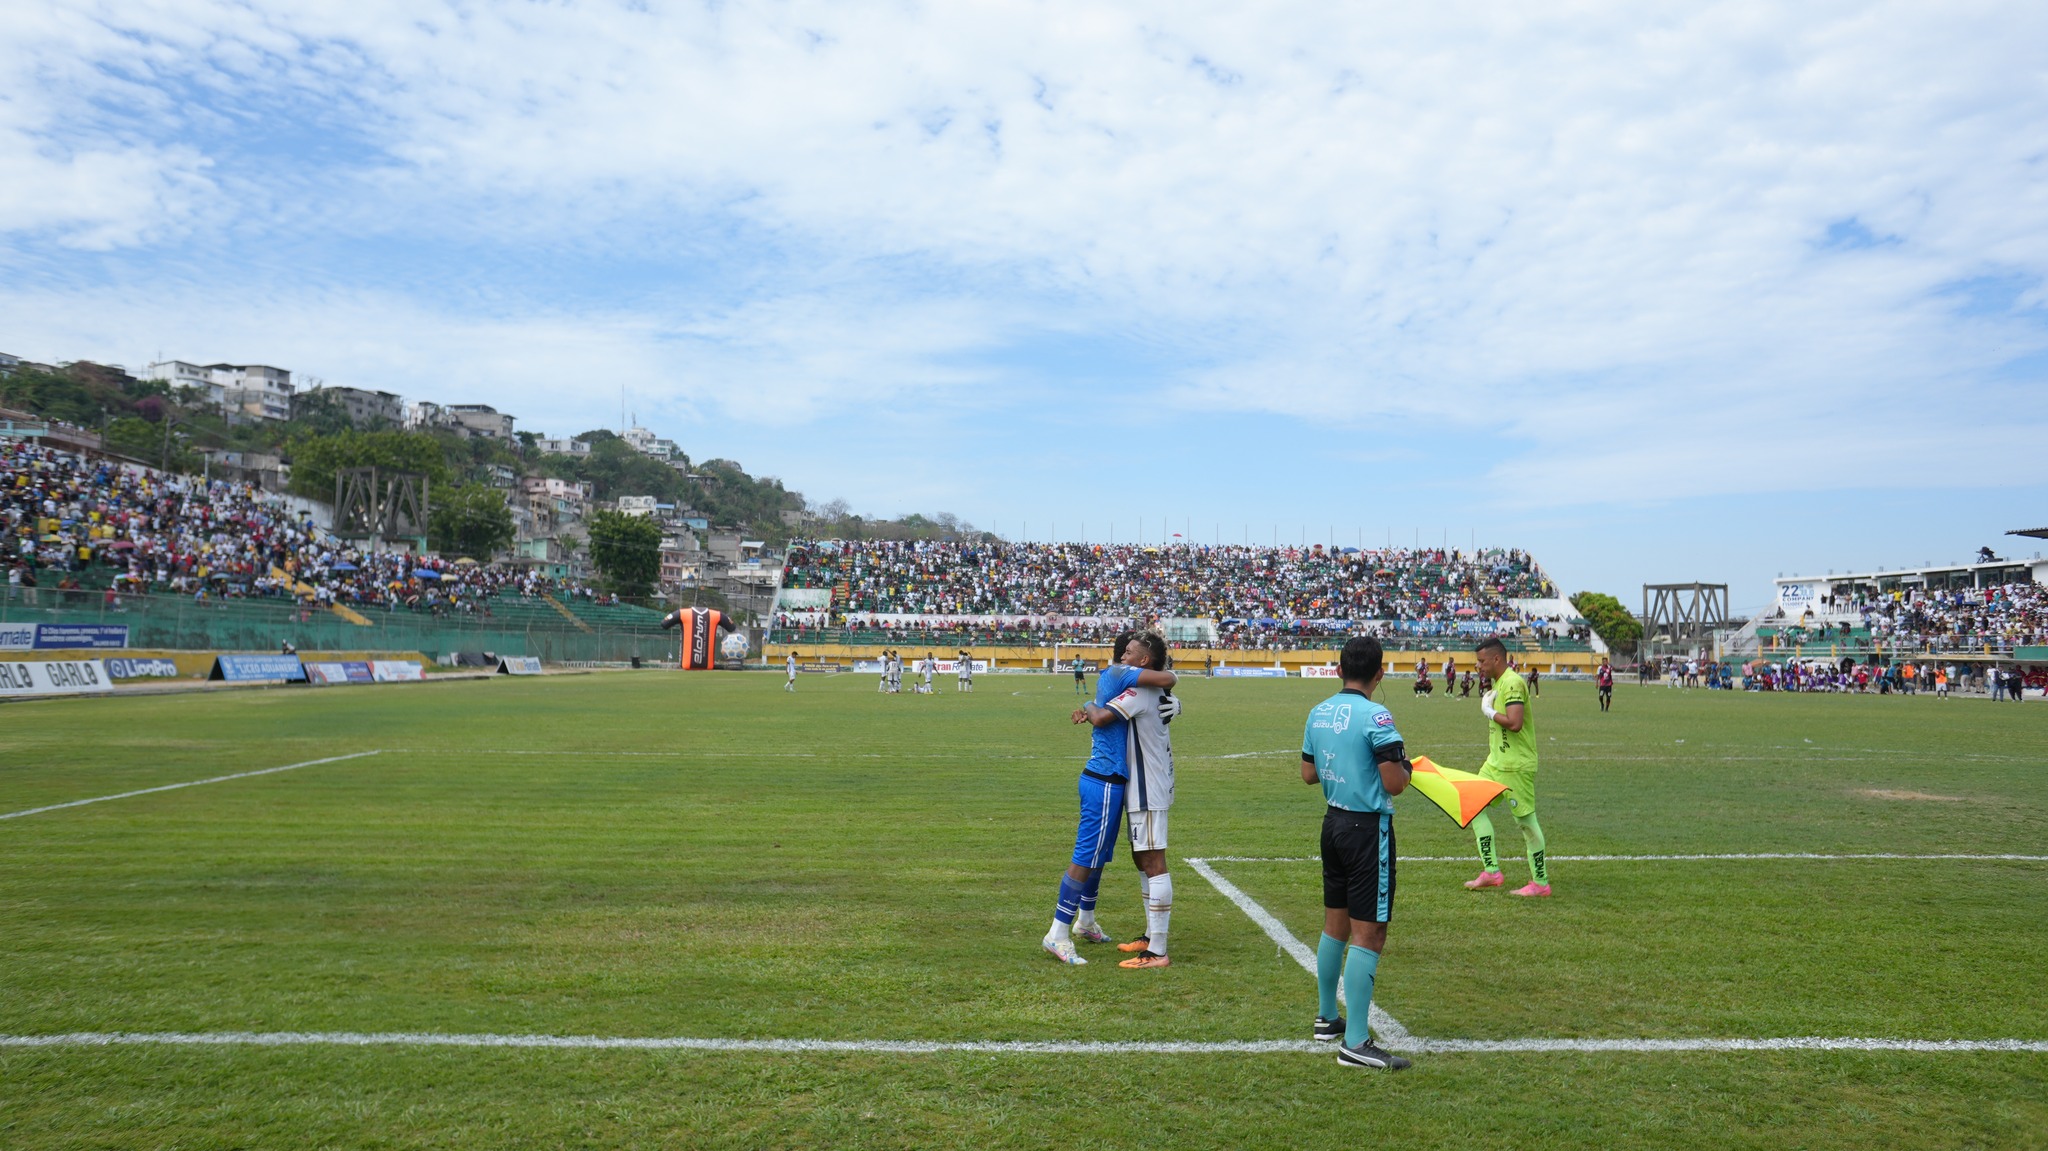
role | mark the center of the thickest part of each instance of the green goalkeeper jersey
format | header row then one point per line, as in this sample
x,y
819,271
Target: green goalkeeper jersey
x,y
1512,750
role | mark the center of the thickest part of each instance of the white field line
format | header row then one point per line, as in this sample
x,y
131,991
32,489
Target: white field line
x,y
938,1047
1383,1025
189,783
1393,1035
1753,855
653,1043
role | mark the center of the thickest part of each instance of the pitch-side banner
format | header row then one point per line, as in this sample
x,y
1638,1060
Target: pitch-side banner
x,y
519,665
62,636
396,671
257,669
346,671
142,668
1320,673
1250,672
19,678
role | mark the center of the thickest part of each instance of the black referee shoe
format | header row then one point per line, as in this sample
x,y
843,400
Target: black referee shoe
x,y
1328,1029
1366,1055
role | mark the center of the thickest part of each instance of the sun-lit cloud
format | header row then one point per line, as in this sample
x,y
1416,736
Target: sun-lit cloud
x,y
1606,240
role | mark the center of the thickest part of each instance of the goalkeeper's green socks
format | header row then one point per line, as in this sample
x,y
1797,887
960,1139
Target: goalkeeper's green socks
x,y
1329,965
1359,971
1532,837
1482,829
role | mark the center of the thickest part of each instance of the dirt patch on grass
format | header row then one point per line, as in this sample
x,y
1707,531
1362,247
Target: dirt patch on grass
x,y
1909,796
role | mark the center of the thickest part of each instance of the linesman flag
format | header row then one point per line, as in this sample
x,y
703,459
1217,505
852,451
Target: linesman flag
x,y
1460,794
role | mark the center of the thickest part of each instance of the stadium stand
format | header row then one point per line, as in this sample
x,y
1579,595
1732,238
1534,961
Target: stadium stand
x,y
188,564
947,592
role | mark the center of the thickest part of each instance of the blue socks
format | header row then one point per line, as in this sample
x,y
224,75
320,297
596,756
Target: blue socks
x,y
1070,900
1359,971
1088,891
1329,966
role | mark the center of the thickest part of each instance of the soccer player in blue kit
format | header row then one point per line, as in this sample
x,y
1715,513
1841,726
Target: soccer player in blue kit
x,y
1102,800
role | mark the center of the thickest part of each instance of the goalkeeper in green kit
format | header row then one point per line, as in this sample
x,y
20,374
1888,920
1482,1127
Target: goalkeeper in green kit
x,y
1510,760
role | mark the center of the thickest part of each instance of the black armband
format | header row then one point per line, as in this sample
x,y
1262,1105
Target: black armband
x,y
1393,753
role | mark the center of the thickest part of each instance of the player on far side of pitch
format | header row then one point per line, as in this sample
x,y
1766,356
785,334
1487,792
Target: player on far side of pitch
x,y
1351,747
1511,760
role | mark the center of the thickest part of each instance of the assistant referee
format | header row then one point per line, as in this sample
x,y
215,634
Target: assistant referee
x,y
1351,747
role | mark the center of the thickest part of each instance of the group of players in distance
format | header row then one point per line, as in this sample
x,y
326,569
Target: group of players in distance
x,y
891,682
1351,748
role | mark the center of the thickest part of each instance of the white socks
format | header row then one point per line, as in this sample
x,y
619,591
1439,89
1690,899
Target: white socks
x,y
1060,932
1158,910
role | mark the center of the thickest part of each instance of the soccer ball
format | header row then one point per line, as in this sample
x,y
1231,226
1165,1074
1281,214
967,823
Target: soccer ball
x,y
734,645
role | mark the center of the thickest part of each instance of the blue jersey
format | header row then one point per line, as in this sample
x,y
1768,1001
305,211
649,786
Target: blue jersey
x,y
1342,733
1108,754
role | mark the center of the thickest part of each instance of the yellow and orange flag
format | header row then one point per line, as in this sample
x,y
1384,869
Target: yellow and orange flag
x,y
1461,794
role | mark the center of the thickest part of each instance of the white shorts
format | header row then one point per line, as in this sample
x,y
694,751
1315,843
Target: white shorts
x,y
1148,830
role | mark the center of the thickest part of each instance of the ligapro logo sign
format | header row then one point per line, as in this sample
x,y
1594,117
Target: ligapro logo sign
x,y
17,636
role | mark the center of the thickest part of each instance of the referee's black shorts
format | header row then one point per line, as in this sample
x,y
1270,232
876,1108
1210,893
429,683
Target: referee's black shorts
x,y
1358,863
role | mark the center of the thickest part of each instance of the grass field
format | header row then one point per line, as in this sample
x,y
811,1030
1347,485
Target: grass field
x,y
656,856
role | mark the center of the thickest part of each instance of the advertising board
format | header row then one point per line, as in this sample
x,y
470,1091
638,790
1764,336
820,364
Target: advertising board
x,y
1249,672
396,671
63,636
17,636
20,678
142,668
341,672
519,665
257,669
1320,673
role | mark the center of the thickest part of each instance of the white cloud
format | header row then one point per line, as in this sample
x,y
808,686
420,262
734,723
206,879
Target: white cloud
x,y
1584,230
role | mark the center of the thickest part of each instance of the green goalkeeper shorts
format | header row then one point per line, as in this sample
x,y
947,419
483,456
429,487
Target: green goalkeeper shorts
x,y
1521,793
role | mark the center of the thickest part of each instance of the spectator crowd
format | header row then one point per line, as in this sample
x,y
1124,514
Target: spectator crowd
x,y
63,516
1254,596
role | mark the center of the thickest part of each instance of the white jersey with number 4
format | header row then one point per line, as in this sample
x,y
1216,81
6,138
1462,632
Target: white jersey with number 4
x,y
1148,750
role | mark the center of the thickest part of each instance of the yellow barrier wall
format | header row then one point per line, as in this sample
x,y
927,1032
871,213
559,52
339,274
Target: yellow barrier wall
x,y
1400,662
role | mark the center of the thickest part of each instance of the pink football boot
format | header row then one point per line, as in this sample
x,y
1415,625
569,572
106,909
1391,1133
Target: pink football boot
x,y
1487,879
1533,890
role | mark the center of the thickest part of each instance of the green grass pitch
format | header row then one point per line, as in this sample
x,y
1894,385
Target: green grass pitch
x,y
660,855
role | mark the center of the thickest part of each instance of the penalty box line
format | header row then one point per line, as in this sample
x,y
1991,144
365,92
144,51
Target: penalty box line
x,y
77,1039
187,783
1384,1026
1391,1034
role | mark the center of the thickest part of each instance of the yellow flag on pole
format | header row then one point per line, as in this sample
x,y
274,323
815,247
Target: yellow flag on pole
x,y
1460,794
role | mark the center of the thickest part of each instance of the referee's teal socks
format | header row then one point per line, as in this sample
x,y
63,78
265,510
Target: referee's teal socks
x,y
1329,966
1360,968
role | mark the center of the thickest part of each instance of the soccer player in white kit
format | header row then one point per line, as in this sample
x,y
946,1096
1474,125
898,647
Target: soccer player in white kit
x,y
929,665
1149,756
965,672
790,685
882,684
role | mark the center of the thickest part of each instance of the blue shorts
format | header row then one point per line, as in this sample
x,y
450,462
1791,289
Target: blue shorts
x,y
1102,811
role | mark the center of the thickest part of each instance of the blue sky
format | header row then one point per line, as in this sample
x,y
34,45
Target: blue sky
x,y
1706,292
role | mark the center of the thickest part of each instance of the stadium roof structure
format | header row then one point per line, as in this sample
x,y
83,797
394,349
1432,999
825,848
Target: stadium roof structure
x,y
2037,533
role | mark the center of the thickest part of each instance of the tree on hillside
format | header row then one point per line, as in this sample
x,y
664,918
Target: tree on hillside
x,y
321,412
316,459
627,552
1614,624
471,520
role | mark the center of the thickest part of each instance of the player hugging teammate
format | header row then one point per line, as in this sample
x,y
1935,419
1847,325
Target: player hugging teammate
x,y
1130,762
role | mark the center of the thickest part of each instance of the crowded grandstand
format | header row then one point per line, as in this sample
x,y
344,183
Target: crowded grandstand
x,y
188,562
1230,597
